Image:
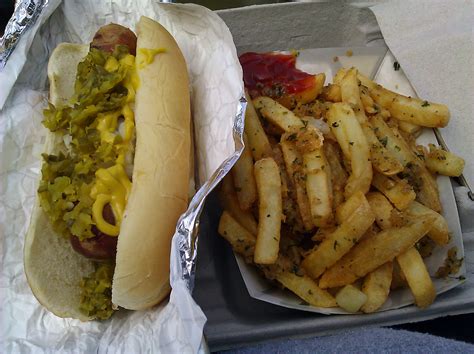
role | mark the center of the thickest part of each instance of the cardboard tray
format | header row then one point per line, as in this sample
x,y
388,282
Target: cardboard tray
x,y
234,318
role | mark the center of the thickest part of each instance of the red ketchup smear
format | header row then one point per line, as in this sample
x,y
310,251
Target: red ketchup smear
x,y
272,74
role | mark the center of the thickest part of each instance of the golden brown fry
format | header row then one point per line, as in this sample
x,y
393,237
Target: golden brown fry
x,y
340,241
367,102
410,109
306,96
229,202
419,176
398,278
381,158
306,140
332,93
292,216
427,192
443,162
398,191
350,94
306,288
371,252
295,171
338,173
377,287
258,140
340,75
277,114
318,187
242,241
350,298
439,232
382,209
322,233
417,276
319,79
267,176
351,138
409,128
395,144
244,180
346,209
315,109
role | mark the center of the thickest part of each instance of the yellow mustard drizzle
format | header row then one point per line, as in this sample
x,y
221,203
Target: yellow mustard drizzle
x,y
112,185
145,56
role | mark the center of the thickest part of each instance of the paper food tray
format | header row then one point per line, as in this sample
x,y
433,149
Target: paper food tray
x,y
377,63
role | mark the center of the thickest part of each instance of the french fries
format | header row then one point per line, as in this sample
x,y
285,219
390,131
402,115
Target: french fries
x,y
244,181
230,203
439,231
267,176
381,208
294,167
407,109
350,298
277,114
338,173
318,187
398,191
410,262
306,289
341,214
417,277
350,94
443,162
351,138
332,93
410,109
382,160
242,241
372,252
258,140
338,243
377,287
344,211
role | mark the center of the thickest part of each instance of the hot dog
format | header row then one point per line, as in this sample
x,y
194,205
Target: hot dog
x,y
115,173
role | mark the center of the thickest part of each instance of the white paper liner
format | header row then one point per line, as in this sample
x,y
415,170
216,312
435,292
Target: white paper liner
x,y
216,91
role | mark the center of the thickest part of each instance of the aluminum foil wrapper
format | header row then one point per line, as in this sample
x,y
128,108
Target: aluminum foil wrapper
x,y
218,109
25,15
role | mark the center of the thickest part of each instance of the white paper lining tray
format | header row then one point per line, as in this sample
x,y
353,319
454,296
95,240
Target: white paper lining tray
x,y
235,318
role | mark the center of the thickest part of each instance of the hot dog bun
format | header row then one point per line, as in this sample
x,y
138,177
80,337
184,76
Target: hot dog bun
x,y
159,192
160,175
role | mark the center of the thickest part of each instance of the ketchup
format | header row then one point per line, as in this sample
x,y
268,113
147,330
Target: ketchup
x,y
273,74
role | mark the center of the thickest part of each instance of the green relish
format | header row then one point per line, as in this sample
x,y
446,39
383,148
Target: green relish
x,y
96,296
67,177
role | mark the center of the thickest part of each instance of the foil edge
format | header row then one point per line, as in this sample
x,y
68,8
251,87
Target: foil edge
x,y
25,15
187,230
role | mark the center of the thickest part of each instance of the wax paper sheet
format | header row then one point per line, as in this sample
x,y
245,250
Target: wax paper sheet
x,y
216,91
434,46
375,62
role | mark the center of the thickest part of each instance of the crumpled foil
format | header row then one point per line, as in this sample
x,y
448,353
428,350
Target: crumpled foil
x,y
25,15
218,111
